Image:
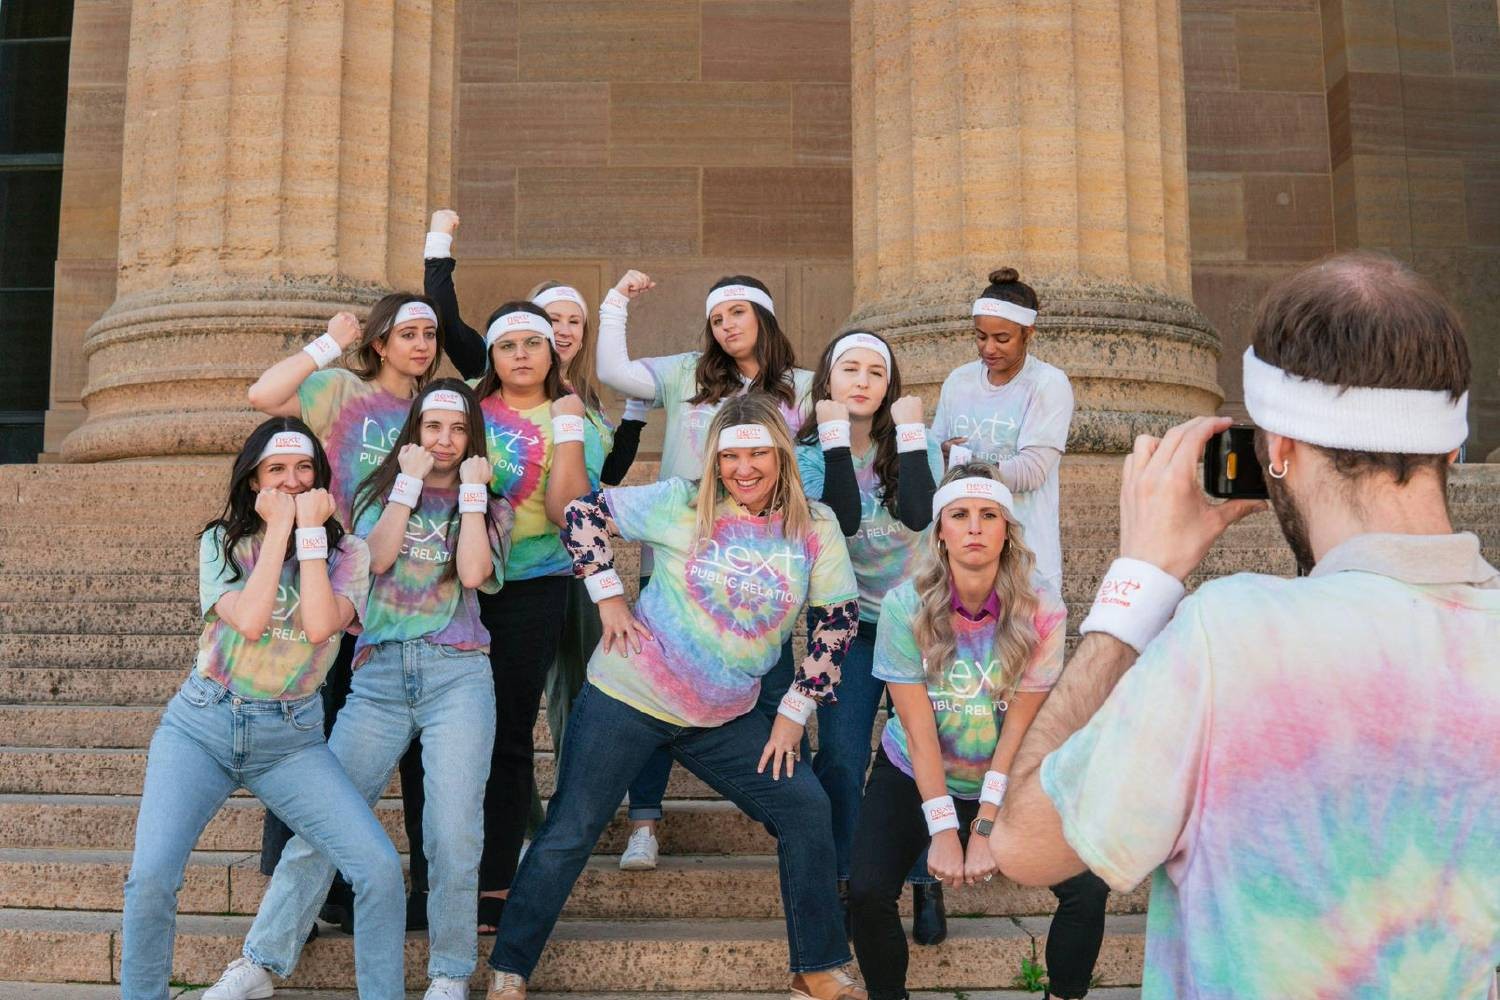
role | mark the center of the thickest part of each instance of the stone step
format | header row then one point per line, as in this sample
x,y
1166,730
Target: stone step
x,y
109,587
102,617
85,991
682,887
67,686
583,955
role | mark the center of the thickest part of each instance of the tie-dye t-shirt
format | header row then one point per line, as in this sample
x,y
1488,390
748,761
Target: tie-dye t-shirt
x,y
520,449
417,598
357,421
1310,771
883,551
1033,409
720,607
966,700
282,665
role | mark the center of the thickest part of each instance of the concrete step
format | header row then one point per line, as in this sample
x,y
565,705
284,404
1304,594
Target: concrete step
x,y
583,955
180,585
102,617
85,991
682,887
44,685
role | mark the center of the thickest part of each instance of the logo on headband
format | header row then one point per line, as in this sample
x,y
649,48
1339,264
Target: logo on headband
x,y
289,441
518,319
748,433
978,488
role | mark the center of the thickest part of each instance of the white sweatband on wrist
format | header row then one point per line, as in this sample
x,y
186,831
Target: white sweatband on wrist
x,y
796,706
746,436
324,351
604,584
287,443
561,293
1004,310
566,427
940,814
911,437
445,399
615,300
414,310
959,454
636,409
1135,602
972,488
520,319
438,245
743,293
406,490
312,543
993,789
473,498
868,341
834,434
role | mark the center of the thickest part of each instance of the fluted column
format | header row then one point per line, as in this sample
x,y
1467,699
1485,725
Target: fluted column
x,y
279,162
1047,135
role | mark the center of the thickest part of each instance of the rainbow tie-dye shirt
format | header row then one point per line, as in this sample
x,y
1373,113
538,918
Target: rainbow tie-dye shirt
x,y
282,665
1309,770
883,551
966,700
417,598
357,421
719,607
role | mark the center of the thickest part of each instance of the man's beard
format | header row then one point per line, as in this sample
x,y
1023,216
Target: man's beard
x,y
1293,524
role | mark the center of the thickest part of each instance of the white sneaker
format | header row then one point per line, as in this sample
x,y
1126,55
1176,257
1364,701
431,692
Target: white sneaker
x,y
443,988
640,853
243,980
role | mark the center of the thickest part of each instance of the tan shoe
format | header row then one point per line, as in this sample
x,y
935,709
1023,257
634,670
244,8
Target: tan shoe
x,y
830,984
506,986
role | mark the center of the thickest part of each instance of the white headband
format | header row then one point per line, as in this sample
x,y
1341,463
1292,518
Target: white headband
x,y
1398,421
445,399
742,292
518,320
971,487
562,293
287,443
746,436
850,341
413,310
1004,310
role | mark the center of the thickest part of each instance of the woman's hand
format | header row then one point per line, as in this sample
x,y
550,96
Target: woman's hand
x,y
784,746
827,410
277,509
907,410
344,328
474,470
979,863
567,406
945,858
622,629
445,221
314,508
415,460
632,283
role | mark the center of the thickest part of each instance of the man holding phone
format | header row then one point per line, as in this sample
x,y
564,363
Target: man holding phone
x,y
1307,768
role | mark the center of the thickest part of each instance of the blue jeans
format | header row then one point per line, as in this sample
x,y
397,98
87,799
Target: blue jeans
x,y
607,744
208,744
843,756
404,688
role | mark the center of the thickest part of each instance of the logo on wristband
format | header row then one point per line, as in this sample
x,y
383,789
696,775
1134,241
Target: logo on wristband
x,y
1118,591
944,810
911,436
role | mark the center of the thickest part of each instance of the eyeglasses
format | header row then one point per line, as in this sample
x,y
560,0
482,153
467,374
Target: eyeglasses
x,y
508,348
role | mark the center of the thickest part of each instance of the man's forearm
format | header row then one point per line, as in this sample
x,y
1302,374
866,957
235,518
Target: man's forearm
x,y
1096,667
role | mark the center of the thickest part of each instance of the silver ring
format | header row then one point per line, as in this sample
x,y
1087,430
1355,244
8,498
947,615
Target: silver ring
x,y
988,877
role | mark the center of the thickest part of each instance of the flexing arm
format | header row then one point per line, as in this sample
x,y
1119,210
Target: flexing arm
x,y
324,614
627,441
914,484
568,479
616,370
464,345
275,392
248,610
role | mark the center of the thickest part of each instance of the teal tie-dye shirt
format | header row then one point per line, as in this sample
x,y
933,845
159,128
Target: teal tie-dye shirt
x,y
1309,770
282,665
357,421
883,551
719,607
966,695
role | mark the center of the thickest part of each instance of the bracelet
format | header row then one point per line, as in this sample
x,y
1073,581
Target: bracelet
x,y
636,409
406,490
796,706
940,814
324,351
312,543
993,789
1135,602
473,498
566,428
603,584
438,245
911,437
834,434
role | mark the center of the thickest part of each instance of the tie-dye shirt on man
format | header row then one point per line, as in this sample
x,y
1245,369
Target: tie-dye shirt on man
x,y
357,421
282,665
967,702
1034,409
417,598
520,451
1310,771
719,607
883,551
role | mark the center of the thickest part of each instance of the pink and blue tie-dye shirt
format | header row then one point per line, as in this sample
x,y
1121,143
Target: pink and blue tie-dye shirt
x,y
357,421
883,551
719,607
418,598
966,693
282,665
1309,770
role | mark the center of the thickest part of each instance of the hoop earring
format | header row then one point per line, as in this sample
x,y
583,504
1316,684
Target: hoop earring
x,y
1286,467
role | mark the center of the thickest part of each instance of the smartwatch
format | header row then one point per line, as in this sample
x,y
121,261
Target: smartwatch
x,y
983,827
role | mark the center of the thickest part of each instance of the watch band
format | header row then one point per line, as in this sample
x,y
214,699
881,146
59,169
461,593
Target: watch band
x,y
983,827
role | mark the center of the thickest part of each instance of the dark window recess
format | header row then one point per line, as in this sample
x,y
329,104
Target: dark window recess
x,y
36,18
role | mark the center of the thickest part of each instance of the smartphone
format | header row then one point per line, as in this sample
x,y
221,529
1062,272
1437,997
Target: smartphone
x,y
1230,469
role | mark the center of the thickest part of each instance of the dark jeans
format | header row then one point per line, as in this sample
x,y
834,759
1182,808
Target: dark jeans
x,y
274,834
608,743
891,835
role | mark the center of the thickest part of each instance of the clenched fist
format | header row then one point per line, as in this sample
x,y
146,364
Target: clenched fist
x,y
474,470
415,461
444,221
344,328
313,508
633,283
907,410
277,509
828,409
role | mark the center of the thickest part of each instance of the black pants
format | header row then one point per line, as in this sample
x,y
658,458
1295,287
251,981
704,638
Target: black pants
x,y
890,836
274,834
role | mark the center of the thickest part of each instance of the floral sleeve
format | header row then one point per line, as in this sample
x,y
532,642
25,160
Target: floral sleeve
x,y
831,628
586,529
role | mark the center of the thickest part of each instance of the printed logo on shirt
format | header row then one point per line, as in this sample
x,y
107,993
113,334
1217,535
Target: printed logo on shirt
x,y
427,539
288,600
744,580
375,442
961,683
996,431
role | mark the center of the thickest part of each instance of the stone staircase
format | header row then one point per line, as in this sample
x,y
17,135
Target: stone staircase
x,y
98,618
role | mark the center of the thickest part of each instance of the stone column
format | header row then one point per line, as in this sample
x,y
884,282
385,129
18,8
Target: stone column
x,y
279,162
1045,135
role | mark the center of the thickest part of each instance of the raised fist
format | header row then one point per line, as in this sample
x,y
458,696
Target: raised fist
x,y
907,410
633,283
344,328
276,508
445,221
475,469
313,508
567,406
828,409
415,460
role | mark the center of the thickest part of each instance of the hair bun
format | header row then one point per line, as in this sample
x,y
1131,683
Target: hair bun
x,y
1004,276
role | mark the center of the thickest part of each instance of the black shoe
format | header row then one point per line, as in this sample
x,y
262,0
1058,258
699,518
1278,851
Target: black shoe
x,y
338,908
929,923
416,911
844,902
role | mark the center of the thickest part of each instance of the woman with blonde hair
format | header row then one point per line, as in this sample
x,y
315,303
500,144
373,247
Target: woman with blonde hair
x,y
968,649
738,554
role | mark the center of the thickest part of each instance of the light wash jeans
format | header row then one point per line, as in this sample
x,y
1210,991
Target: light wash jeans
x,y
208,744
402,689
